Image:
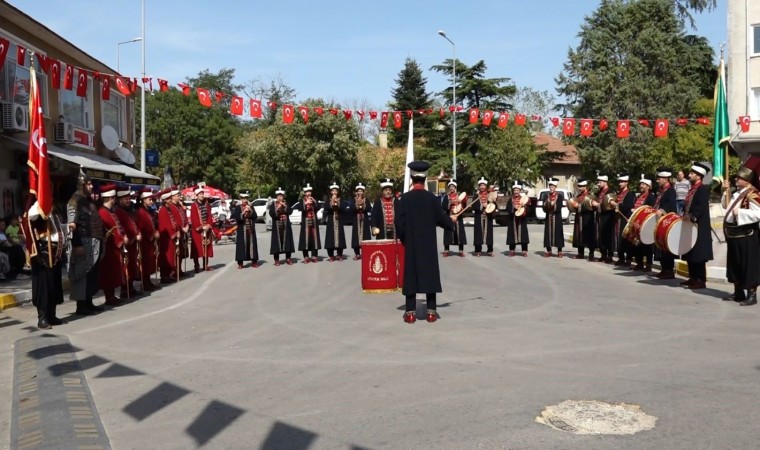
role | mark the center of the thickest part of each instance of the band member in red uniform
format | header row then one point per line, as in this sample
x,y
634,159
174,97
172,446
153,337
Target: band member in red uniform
x,y
335,236
359,208
128,224
697,210
246,244
644,252
666,202
584,228
419,213
180,215
554,233
624,205
201,222
483,220
282,231
169,231
147,226
309,242
112,268
517,227
384,212
451,205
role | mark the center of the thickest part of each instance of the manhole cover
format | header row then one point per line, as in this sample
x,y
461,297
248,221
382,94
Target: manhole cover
x,y
595,417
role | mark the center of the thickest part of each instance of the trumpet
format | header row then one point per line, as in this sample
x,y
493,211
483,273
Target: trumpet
x,y
280,208
334,201
360,202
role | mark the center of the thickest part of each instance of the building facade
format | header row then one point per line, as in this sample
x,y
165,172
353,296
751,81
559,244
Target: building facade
x,y
93,132
743,76
567,169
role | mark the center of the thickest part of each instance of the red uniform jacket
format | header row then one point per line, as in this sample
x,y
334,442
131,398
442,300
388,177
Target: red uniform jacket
x,y
168,228
144,221
111,269
130,228
196,224
180,217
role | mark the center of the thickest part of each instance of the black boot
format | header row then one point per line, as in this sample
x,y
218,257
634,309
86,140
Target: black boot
x,y
737,296
751,300
83,309
94,308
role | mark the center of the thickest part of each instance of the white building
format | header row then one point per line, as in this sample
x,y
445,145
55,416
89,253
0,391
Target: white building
x,y
743,83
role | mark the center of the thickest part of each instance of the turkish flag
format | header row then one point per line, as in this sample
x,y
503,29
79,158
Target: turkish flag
x,y
397,119
409,114
96,75
384,119
661,128
441,113
347,114
82,83
105,87
503,120
587,127
360,113
287,114
474,115
68,78
271,105
55,74
319,110
487,116
555,121
643,122
5,44
133,85
236,106
744,122
185,88
122,84
703,121
535,118
373,115
163,85
682,122
219,96
333,111
623,128
39,172
520,119
452,108
603,125
20,55
43,60
204,97
304,111
149,81
255,107
568,127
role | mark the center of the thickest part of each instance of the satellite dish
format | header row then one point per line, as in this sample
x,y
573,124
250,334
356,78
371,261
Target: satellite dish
x,y
125,155
110,138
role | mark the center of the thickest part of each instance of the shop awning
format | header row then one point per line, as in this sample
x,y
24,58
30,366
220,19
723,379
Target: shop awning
x,y
100,168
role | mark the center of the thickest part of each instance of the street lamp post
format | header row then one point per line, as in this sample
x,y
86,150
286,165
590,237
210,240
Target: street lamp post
x,y
118,51
453,101
142,93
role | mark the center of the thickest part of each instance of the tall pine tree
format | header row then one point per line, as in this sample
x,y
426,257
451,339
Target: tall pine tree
x,y
410,94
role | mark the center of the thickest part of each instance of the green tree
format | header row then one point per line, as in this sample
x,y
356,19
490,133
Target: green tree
x,y
319,152
530,101
410,94
274,90
629,65
511,154
197,142
685,7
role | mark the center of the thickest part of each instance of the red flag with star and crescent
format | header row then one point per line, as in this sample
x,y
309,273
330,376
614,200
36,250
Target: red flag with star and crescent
x,y
5,44
287,114
255,106
587,127
397,119
661,128
744,122
604,124
68,78
384,119
503,120
39,172
487,116
623,128
105,87
474,115
568,127
236,106
82,83
122,84
304,111
204,97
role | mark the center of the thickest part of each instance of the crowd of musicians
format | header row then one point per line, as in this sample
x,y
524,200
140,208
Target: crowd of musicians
x,y
118,238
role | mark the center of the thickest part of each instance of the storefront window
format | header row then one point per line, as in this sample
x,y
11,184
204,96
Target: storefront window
x,y
114,112
75,109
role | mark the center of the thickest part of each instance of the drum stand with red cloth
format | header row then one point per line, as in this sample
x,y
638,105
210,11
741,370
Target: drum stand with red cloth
x,y
382,266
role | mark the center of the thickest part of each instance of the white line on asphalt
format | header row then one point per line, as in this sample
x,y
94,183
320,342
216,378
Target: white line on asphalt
x,y
192,298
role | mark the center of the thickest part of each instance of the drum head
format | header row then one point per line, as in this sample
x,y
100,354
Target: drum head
x,y
682,237
456,209
492,196
490,208
520,211
462,196
648,228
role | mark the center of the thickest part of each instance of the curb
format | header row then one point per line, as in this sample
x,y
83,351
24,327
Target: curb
x,y
23,297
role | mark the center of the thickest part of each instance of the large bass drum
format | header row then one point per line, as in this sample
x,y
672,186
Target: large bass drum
x,y
641,226
675,235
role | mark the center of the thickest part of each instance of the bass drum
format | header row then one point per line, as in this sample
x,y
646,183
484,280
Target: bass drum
x,y
641,226
491,207
675,235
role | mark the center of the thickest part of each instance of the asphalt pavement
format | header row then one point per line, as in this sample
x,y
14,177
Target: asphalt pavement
x,y
297,357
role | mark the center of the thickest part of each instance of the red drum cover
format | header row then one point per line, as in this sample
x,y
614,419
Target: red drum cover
x,y
381,265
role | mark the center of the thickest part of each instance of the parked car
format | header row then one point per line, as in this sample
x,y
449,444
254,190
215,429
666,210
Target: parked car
x,y
295,216
541,215
260,205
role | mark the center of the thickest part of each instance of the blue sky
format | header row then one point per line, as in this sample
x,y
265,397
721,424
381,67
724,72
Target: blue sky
x,y
346,51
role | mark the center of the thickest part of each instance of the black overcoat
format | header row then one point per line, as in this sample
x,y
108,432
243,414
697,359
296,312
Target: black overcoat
x,y
458,235
480,217
361,229
698,209
335,219
554,233
418,214
314,242
517,227
378,217
626,208
282,232
246,245
584,229
605,221
667,203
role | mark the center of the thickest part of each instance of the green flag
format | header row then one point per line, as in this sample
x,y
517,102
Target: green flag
x,y
721,133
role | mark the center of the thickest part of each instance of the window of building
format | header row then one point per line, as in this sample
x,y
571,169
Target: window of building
x,y
14,80
75,109
754,106
756,39
114,112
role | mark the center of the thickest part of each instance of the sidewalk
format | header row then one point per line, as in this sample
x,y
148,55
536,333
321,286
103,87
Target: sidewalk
x,y
19,291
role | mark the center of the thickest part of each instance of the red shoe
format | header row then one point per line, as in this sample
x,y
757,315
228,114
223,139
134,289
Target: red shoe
x,y
255,265
208,269
288,261
240,266
410,317
477,253
490,254
306,260
547,254
277,262
511,253
332,258
525,254
356,257
432,316
315,259
445,254
461,254
560,255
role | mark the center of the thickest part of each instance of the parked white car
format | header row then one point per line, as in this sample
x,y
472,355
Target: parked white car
x,y
541,215
260,206
295,217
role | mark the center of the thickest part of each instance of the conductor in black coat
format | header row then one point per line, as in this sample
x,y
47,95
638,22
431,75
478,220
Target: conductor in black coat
x,y
282,231
697,210
418,215
666,202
